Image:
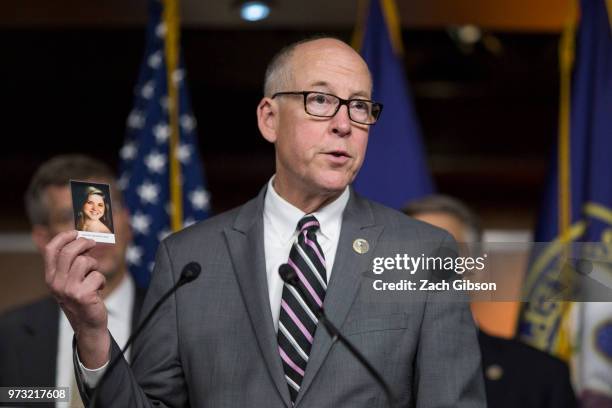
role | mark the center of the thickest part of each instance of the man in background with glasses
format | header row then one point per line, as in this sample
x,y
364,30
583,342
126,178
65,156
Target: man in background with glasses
x,y
239,336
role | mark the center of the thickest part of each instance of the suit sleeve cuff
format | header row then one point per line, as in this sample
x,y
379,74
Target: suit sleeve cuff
x,y
90,377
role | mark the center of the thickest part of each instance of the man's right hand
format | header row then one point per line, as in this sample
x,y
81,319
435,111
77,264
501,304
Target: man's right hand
x,y
75,283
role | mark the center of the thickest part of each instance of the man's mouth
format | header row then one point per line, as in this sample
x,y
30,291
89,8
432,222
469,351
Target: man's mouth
x,y
339,153
338,157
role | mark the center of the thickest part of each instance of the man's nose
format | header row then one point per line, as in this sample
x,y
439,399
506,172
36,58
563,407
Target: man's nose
x,y
341,122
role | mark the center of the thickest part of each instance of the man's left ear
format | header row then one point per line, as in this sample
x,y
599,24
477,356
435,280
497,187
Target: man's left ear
x,y
267,119
41,237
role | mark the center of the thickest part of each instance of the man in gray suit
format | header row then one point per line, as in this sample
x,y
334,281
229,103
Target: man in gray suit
x,y
238,336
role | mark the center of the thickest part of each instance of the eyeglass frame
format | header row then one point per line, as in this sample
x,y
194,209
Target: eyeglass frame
x,y
342,102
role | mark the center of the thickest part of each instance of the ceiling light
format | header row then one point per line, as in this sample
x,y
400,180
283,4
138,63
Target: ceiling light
x,y
254,10
469,34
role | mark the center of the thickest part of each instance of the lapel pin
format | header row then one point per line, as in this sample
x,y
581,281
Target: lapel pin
x,y
361,246
494,372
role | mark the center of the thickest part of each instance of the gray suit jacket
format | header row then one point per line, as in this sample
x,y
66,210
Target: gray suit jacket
x,y
213,344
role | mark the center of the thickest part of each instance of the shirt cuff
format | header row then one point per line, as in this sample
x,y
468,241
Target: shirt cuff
x,y
91,377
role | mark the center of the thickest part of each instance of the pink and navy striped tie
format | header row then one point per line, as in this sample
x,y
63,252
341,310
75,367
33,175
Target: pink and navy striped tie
x,y
297,322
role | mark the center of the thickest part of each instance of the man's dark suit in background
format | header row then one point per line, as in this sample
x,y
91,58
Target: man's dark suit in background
x,y
519,376
28,342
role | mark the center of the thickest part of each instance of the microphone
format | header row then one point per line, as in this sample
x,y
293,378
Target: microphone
x,y
190,272
290,277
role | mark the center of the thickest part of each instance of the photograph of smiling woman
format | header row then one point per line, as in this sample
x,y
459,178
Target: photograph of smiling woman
x,y
93,216
92,209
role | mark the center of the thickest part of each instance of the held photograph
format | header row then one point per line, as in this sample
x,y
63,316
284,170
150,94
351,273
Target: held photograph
x,y
93,214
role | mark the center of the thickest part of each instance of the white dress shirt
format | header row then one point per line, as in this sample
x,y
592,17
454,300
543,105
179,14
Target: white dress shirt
x,y
280,231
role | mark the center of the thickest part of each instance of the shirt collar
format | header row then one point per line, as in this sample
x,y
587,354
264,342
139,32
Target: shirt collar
x,y
284,216
118,300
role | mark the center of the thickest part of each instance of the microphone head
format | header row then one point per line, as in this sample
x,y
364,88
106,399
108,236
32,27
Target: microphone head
x,y
288,274
190,272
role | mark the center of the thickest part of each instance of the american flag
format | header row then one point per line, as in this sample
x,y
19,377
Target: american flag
x,y
145,157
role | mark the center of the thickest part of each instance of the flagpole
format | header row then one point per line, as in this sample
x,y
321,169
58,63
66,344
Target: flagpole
x,y
566,64
171,49
358,32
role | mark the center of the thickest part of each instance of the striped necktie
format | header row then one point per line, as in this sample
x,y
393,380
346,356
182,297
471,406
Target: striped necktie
x,y
297,321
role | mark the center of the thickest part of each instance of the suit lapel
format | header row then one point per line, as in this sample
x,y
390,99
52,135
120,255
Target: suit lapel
x,y
357,222
245,242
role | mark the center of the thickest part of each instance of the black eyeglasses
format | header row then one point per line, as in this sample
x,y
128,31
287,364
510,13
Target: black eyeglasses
x,y
326,105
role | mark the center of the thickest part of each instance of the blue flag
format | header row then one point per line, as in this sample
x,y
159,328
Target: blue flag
x,y
395,169
578,198
146,159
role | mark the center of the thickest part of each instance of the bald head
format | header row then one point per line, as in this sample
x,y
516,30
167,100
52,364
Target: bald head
x,y
280,72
